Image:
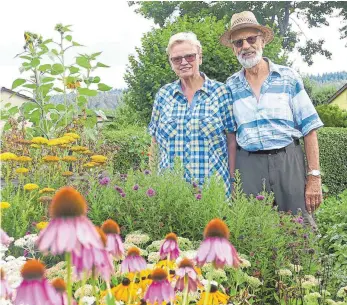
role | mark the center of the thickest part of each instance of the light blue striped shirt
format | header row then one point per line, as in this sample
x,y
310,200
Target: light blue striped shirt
x,y
284,111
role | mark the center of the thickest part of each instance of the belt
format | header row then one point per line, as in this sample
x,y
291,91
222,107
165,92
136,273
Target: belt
x,y
270,151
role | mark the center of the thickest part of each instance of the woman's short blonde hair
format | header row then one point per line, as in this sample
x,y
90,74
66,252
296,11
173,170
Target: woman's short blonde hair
x,y
183,37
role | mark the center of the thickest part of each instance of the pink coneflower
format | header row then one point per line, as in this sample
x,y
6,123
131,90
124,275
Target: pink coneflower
x,y
114,241
4,238
88,258
216,247
5,289
69,228
186,268
35,289
133,262
150,192
169,248
160,289
60,287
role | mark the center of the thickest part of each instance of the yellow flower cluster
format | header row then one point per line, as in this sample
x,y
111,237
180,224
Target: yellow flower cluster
x,y
98,159
35,146
30,186
4,205
41,225
50,159
90,164
46,190
39,140
23,159
7,156
78,148
86,152
72,135
61,141
67,174
22,170
69,159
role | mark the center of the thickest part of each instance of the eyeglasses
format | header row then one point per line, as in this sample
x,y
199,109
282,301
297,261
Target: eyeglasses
x,y
251,40
188,57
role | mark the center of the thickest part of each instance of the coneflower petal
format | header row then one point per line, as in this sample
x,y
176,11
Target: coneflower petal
x,y
47,236
204,249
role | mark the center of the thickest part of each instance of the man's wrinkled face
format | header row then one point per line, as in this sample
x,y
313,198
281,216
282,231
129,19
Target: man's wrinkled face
x,y
185,59
248,46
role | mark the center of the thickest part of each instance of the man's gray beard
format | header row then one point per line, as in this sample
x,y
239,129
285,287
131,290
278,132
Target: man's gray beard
x,y
251,62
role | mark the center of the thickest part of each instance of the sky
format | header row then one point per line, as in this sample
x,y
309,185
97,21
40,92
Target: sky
x,y
111,26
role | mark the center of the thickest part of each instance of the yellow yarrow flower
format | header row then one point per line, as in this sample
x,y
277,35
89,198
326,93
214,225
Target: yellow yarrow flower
x,y
35,146
67,139
86,152
53,142
30,186
89,164
47,190
78,148
7,156
39,140
67,174
23,159
41,225
22,170
98,159
69,159
4,205
50,159
72,134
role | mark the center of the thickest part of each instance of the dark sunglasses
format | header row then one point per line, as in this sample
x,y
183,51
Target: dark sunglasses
x,y
188,57
251,40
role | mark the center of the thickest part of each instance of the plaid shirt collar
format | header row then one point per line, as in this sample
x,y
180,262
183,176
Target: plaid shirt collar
x,y
273,69
206,87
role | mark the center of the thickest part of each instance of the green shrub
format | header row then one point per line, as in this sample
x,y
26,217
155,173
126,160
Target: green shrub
x,y
132,147
333,158
332,115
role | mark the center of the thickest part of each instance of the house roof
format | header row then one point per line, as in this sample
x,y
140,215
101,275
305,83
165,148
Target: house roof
x,y
17,94
343,88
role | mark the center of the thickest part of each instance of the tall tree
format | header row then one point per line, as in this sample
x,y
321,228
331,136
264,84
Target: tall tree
x,y
277,14
149,69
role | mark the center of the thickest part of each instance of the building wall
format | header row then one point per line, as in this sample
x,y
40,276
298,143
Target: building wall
x,y
341,100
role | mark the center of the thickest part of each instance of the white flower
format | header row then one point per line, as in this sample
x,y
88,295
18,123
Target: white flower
x,y
88,300
308,284
295,268
245,263
86,290
5,302
153,257
254,282
137,238
312,296
330,302
284,272
342,293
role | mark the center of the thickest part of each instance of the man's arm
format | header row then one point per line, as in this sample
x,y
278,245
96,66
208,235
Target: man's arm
x,y
313,192
231,145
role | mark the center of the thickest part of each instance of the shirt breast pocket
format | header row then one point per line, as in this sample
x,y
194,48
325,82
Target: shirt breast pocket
x,y
167,130
211,127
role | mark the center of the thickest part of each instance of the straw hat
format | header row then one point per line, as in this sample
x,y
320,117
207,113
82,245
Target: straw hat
x,y
245,20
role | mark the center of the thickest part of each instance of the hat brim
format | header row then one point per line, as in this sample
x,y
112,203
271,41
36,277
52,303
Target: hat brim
x,y
267,32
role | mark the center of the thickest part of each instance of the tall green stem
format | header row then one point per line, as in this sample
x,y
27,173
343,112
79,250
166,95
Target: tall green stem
x,y
185,291
69,284
208,288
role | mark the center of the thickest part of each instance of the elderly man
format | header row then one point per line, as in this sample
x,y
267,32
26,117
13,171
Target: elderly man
x,y
272,111
192,117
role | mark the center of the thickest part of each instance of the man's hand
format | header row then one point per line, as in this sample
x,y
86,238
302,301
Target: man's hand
x,y
313,193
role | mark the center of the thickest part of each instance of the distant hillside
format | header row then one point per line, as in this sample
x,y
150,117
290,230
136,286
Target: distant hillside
x,y
335,78
104,100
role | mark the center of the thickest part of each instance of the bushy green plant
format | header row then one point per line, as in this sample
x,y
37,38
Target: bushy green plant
x,y
132,144
333,156
332,115
320,94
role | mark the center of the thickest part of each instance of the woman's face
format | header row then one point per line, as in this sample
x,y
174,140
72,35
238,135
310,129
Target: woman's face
x,y
185,59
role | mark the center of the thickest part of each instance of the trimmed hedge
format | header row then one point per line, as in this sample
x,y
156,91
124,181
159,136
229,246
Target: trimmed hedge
x,y
333,158
133,144
332,115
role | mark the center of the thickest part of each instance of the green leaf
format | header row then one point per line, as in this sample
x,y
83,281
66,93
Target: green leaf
x,y
35,62
30,86
47,79
86,91
58,89
44,67
68,37
103,87
60,107
47,41
76,44
81,101
18,82
26,57
96,80
7,105
83,62
7,126
101,65
110,300
29,106
44,89
13,110
55,52
94,55
57,69
73,69
49,106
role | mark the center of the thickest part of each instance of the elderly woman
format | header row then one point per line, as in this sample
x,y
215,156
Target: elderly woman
x,y
192,117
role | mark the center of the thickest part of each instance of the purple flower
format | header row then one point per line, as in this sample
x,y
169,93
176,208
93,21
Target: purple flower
x,y
260,197
147,172
195,184
135,187
299,219
105,181
118,189
150,192
198,196
123,194
305,236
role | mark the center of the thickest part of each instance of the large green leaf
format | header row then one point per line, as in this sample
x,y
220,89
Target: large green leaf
x,y
94,55
86,91
73,69
47,79
76,44
57,69
44,67
101,65
30,86
18,82
83,62
35,62
26,57
58,89
68,37
81,101
103,87
96,79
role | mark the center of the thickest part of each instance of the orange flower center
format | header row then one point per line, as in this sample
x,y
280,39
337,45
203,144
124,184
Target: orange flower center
x,y
110,227
59,285
33,269
134,251
159,274
216,228
2,274
186,262
171,236
67,202
102,236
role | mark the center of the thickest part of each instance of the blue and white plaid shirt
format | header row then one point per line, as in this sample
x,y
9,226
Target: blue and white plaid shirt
x,y
195,133
284,111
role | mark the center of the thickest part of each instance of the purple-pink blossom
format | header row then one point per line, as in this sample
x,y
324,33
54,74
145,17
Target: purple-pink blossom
x,y
150,192
105,181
